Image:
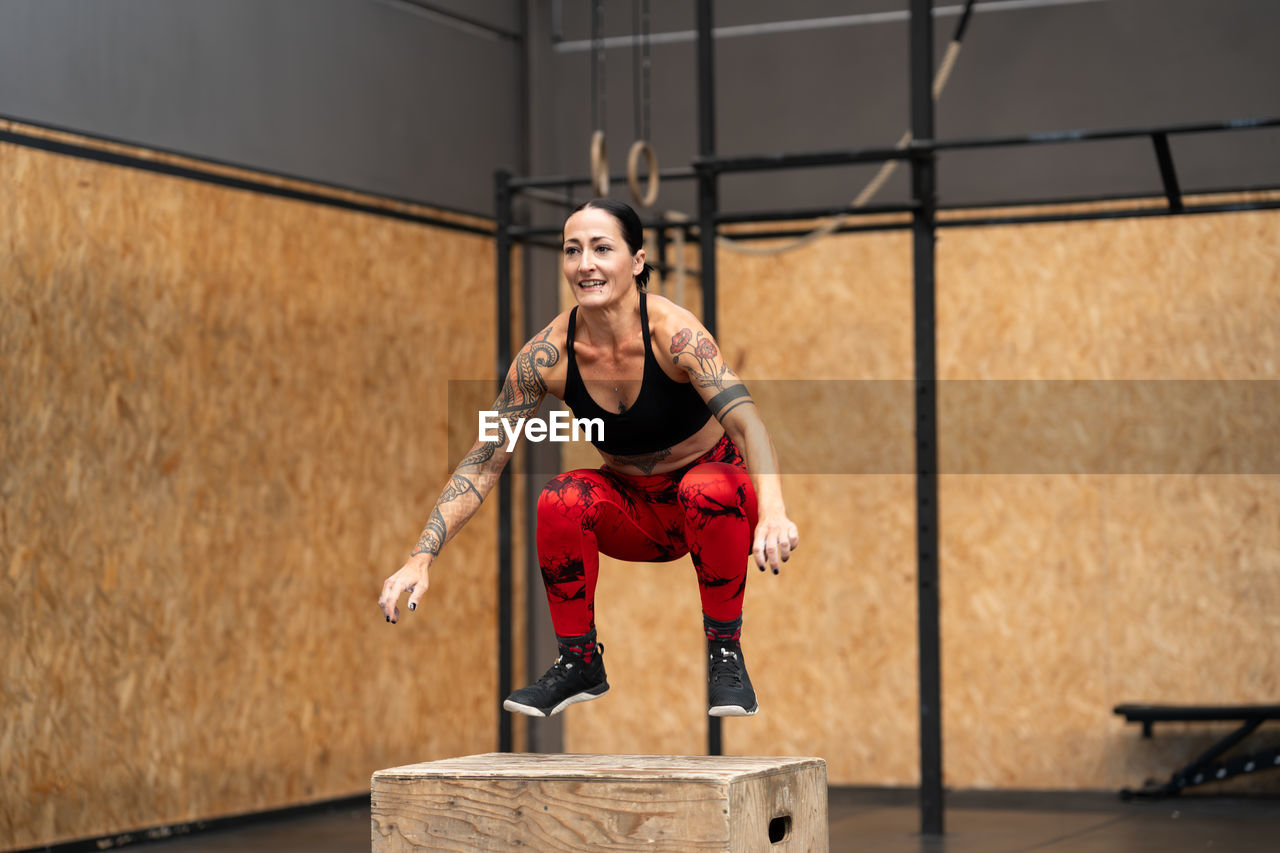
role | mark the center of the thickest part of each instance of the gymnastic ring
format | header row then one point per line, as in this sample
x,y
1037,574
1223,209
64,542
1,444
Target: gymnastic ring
x,y
633,177
599,165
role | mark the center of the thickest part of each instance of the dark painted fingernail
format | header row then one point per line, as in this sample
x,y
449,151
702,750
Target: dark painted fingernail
x,y
388,618
413,606
777,571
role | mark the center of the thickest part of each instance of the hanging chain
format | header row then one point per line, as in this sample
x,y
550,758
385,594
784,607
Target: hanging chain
x,y
642,147
598,81
640,65
635,69
645,66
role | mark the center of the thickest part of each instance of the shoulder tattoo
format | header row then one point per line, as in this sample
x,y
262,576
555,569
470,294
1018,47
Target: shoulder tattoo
x,y
523,390
700,356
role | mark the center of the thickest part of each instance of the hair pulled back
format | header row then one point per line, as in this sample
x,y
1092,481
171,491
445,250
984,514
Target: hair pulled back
x,y
632,231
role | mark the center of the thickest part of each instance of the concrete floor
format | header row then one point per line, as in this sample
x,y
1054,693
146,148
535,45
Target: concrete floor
x,y
999,822
886,822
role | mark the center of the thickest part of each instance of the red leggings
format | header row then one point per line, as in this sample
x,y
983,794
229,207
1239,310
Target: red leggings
x,y
706,509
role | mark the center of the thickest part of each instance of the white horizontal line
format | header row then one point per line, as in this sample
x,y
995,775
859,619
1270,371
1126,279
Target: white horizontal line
x,y
808,24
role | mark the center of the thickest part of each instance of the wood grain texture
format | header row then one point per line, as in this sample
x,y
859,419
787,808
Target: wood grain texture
x,y
795,799
1169,298
599,802
1126,576
599,767
223,427
468,815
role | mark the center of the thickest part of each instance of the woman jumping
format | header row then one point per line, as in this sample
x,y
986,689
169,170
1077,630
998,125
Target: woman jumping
x,y
689,467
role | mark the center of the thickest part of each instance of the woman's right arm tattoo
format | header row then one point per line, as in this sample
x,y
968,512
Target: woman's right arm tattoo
x,y
521,394
436,531
521,398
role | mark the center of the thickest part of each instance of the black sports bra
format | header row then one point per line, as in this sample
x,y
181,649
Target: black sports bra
x,y
665,413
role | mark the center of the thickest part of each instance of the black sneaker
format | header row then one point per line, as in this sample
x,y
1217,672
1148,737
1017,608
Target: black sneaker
x,y
729,690
569,680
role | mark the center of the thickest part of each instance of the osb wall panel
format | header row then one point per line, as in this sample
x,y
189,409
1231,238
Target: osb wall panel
x,y
1066,594
1193,613
1163,298
1066,590
224,424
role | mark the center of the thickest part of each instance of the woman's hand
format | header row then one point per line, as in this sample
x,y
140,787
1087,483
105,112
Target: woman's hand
x,y
412,578
776,537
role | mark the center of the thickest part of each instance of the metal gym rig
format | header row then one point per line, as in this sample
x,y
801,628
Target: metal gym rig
x,y
921,155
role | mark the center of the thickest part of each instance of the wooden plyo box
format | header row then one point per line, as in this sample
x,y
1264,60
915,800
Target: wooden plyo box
x,y
661,803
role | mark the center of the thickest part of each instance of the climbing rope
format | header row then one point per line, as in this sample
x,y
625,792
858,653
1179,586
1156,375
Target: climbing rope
x,y
832,224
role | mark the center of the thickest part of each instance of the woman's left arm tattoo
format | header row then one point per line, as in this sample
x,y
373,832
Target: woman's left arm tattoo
x,y
728,400
701,358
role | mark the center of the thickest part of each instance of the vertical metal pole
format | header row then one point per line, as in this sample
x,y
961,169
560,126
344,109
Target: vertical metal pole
x,y
708,180
926,374
542,734
502,181
708,201
660,243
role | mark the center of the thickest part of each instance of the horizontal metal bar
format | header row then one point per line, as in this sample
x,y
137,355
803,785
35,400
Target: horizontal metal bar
x,y
525,233
812,213
839,157
813,159
782,233
795,233
548,197
852,156
1026,219
521,232
1085,216
1098,199
1056,137
682,173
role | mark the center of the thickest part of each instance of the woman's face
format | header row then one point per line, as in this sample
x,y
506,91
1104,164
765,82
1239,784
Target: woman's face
x,y
598,265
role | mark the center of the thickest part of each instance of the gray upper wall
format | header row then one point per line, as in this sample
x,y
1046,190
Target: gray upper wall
x,y
373,94
1028,65
386,96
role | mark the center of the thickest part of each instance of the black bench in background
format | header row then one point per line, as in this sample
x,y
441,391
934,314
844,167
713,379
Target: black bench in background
x,y
1206,768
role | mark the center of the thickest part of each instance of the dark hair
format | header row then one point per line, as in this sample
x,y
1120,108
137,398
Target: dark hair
x,y
632,231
